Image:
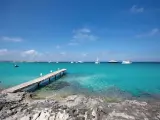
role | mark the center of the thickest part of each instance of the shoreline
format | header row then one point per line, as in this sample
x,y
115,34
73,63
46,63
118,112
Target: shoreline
x,y
22,106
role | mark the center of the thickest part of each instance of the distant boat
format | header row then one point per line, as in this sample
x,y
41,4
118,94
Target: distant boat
x,y
80,62
97,61
126,62
16,66
72,62
57,62
112,61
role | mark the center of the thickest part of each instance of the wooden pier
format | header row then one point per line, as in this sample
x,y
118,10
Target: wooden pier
x,y
35,81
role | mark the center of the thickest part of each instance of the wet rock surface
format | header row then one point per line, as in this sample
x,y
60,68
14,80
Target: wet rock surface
x,y
20,106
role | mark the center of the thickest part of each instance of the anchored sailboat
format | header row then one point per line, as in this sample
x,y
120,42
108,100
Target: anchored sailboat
x,y
97,61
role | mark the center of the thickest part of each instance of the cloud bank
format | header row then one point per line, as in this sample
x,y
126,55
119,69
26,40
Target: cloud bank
x,y
11,39
81,36
136,9
151,33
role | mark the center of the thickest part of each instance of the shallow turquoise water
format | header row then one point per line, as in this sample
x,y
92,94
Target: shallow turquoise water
x,y
135,78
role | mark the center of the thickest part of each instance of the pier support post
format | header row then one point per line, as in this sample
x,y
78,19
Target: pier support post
x,y
49,80
63,73
60,74
38,84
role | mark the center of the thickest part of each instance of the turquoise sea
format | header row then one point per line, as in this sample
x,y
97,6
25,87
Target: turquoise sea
x,y
114,79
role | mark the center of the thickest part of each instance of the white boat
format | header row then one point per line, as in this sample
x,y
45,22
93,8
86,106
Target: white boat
x,y
126,62
112,61
80,62
57,62
97,61
16,65
72,62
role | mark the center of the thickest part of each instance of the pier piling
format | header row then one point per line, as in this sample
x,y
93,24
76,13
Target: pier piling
x,y
49,80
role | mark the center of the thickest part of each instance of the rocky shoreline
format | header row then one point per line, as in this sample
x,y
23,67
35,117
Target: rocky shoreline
x,y
21,106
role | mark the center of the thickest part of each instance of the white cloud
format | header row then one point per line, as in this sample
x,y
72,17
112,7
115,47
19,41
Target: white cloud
x,y
136,9
11,39
30,53
63,53
152,32
73,43
82,35
3,51
83,30
58,46
84,54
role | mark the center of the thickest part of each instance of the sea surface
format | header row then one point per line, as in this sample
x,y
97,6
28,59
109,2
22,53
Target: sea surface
x,y
104,79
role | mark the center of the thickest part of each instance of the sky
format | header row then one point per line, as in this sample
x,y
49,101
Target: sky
x,y
72,30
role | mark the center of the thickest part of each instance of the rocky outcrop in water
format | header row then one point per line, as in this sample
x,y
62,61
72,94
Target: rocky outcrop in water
x,y
20,106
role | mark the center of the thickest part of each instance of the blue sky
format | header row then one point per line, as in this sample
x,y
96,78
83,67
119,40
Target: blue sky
x,y
80,30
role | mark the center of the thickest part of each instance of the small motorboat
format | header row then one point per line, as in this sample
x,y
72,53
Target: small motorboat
x,y
113,61
126,62
80,61
16,66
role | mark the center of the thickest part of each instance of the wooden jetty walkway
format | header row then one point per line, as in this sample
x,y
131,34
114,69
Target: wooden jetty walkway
x,y
35,81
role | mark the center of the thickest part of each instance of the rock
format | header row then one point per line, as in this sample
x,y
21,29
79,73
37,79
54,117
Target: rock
x,y
120,115
134,102
1,106
75,107
62,116
91,103
35,116
80,118
82,111
44,115
25,118
64,107
94,114
74,100
52,117
12,97
8,111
